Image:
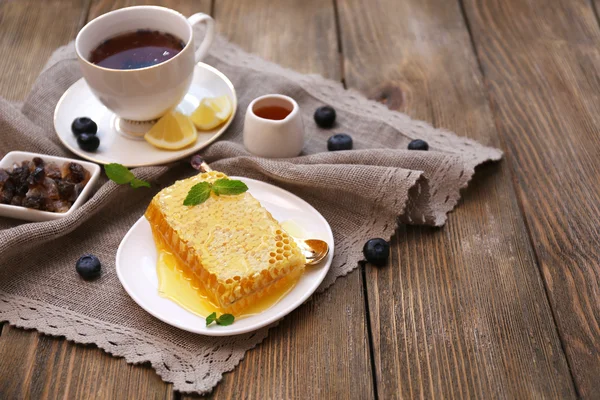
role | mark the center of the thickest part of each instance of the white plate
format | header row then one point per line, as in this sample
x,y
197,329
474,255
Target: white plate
x,y
136,266
28,214
78,101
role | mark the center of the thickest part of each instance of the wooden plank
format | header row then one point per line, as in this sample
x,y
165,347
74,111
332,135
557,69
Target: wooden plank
x,y
541,61
461,311
186,7
299,35
321,350
28,36
42,367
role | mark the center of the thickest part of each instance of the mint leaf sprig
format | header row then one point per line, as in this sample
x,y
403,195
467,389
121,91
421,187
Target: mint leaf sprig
x,y
228,187
122,176
200,192
223,320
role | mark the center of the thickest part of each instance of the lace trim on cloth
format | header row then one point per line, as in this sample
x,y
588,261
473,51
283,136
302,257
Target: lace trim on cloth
x,y
188,372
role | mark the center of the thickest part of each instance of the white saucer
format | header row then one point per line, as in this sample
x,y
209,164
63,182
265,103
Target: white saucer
x,y
136,266
118,147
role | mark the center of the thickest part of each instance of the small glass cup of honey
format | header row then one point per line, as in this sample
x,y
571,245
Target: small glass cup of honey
x,y
273,127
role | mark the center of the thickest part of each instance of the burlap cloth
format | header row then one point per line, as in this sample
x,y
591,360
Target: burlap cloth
x,y
362,194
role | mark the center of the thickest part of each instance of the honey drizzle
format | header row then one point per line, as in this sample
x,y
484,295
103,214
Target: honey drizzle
x,y
182,287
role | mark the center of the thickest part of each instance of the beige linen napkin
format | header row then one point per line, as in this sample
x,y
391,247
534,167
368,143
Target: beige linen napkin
x,y
361,193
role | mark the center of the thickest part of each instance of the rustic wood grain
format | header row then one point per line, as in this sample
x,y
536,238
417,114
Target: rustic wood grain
x,y
186,7
321,350
29,34
461,311
41,367
541,62
298,34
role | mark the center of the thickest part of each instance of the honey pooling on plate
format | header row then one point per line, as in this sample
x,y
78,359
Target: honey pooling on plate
x,y
231,244
178,284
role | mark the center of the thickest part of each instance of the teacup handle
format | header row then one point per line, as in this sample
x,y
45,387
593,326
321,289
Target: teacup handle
x,y
210,33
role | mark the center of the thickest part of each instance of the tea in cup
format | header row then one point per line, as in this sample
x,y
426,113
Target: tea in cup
x,y
139,61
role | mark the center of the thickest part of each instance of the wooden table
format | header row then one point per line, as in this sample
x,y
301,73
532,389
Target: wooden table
x,y
503,302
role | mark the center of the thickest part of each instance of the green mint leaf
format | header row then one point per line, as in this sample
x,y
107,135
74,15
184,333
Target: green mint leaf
x,y
225,319
198,194
229,187
138,183
211,318
118,173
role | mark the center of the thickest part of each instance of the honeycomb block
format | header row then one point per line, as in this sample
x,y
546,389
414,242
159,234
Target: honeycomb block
x,y
238,251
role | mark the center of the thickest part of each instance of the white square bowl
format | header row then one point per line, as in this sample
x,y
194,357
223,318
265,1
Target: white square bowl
x,y
29,214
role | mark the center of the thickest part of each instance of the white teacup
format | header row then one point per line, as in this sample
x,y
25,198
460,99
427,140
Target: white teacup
x,y
271,135
142,94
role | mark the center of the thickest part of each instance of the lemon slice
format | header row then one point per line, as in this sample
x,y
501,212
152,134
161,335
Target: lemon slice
x,y
212,112
172,132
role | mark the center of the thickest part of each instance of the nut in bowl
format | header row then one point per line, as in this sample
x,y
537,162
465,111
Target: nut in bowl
x,y
39,187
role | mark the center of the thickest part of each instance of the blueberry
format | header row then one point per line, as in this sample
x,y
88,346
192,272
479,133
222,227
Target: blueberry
x,y
88,141
339,141
325,116
418,144
83,125
377,251
88,267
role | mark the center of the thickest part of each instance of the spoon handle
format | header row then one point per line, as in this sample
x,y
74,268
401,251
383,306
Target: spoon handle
x,y
199,164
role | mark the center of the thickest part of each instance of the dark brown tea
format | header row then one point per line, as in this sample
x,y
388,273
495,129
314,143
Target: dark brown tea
x,y
272,112
139,49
